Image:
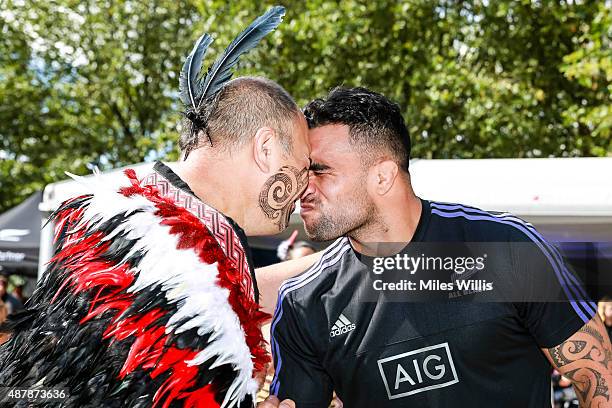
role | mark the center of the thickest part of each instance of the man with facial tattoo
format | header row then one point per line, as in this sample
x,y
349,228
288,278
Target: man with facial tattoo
x,y
240,177
150,298
252,162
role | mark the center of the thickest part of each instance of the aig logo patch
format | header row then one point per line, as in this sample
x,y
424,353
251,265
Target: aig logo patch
x,y
417,371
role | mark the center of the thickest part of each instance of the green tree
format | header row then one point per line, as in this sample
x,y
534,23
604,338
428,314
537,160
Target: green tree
x,y
591,66
87,83
475,79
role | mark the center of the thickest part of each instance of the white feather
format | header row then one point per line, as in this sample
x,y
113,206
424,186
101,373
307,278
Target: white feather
x,y
188,283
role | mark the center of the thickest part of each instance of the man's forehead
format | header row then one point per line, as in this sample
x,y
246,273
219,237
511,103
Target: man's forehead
x,y
320,157
333,134
328,142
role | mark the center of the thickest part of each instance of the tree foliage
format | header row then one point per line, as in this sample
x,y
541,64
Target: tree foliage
x,y
87,83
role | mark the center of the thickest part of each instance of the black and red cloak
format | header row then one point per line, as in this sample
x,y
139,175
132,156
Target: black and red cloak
x,y
149,301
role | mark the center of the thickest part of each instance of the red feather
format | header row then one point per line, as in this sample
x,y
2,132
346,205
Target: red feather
x,y
109,282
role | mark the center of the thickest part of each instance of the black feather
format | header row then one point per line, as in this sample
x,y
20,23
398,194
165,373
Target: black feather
x,y
188,81
21,319
221,71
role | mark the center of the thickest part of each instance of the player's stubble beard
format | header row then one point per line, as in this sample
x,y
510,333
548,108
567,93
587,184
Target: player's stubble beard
x,y
280,192
350,214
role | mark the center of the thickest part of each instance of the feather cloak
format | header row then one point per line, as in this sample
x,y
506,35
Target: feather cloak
x,y
148,302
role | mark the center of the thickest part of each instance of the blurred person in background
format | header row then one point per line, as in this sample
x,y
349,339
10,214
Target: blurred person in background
x,y
11,303
18,283
299,250
604,308
5,304
3,315
290,249
564,395
18,293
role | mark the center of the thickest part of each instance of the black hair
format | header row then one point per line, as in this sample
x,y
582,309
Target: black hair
x,y
374,121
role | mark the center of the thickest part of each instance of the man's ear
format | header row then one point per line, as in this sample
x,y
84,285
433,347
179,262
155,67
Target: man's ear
x,y
262,148
384,175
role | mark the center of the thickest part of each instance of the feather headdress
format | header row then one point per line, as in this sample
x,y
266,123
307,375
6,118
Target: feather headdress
x,y
194,90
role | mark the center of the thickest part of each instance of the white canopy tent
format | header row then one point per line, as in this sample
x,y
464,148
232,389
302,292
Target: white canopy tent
x,y
568,199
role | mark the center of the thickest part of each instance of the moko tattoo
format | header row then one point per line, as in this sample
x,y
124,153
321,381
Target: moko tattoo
x,y
280,192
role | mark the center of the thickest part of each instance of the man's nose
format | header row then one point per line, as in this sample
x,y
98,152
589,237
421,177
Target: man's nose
x,y
309,191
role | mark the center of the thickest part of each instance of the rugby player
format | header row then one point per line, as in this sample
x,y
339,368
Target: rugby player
x,y
327,336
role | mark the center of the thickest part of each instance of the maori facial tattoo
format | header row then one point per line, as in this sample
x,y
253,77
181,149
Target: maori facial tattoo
x,y
280,192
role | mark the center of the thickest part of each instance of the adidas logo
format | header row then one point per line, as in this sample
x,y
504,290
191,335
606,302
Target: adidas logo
x,y
342,326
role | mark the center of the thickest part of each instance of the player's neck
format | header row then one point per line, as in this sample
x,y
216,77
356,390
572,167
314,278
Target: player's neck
x,y
394,224
218,184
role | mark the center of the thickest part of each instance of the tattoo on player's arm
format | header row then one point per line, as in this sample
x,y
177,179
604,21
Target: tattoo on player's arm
x,y
586,359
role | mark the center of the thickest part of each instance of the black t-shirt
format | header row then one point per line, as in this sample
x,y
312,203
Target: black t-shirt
x,y
328,335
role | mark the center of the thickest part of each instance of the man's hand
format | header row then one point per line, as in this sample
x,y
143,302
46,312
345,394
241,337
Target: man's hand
x,y
586,359
273,402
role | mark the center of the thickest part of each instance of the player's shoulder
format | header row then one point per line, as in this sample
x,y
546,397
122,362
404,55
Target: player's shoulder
x,y
477,225
311,284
